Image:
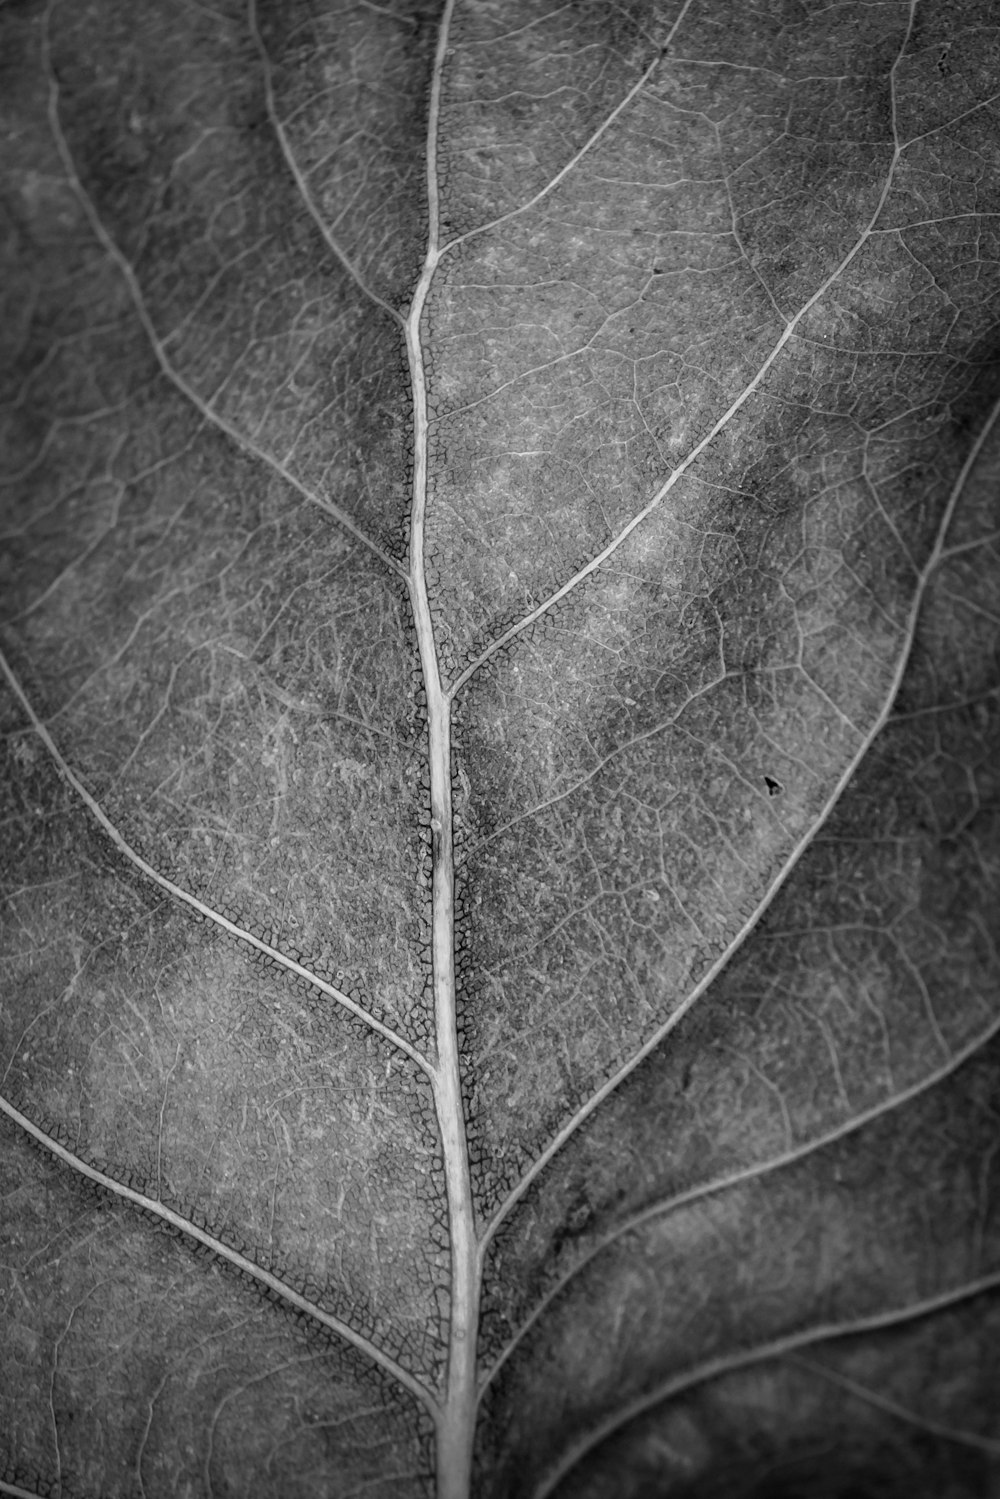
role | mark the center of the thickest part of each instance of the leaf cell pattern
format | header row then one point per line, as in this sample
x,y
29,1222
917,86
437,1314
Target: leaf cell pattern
x,y
500,714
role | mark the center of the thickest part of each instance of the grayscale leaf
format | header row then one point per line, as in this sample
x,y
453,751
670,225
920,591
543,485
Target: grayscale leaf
x,y
499,710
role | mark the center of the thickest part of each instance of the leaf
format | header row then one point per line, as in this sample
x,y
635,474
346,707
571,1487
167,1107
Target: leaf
x,y
500,707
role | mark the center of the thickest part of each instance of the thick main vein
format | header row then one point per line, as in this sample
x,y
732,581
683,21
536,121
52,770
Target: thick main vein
x,y
458,1415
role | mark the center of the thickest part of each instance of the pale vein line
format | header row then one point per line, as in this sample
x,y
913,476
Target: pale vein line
x,y
620,749
213,418
957,706
902,660
584,150
733,1363
893,1408
754,1172
785,337
188,899
300,181
286,1292
456,1419
988,540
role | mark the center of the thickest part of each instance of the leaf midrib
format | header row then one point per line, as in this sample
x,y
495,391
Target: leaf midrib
x,y
445,1075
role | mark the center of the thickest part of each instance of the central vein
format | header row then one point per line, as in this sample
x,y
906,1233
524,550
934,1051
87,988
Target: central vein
x,y
457,1414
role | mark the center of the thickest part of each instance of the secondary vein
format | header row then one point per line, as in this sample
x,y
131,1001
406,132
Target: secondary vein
x,y
187,897
115,253
300,182
223,1250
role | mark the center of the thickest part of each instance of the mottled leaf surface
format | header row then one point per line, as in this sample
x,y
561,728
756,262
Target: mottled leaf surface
x,y
500,713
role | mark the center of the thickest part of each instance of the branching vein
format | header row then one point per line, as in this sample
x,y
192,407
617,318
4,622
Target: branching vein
x,y
186,897
184,1225
213,417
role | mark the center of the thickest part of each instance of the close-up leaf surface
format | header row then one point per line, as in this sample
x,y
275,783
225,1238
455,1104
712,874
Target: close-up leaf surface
x,y
499,701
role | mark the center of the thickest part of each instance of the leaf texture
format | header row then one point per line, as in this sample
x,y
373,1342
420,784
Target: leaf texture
x,y
500,712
